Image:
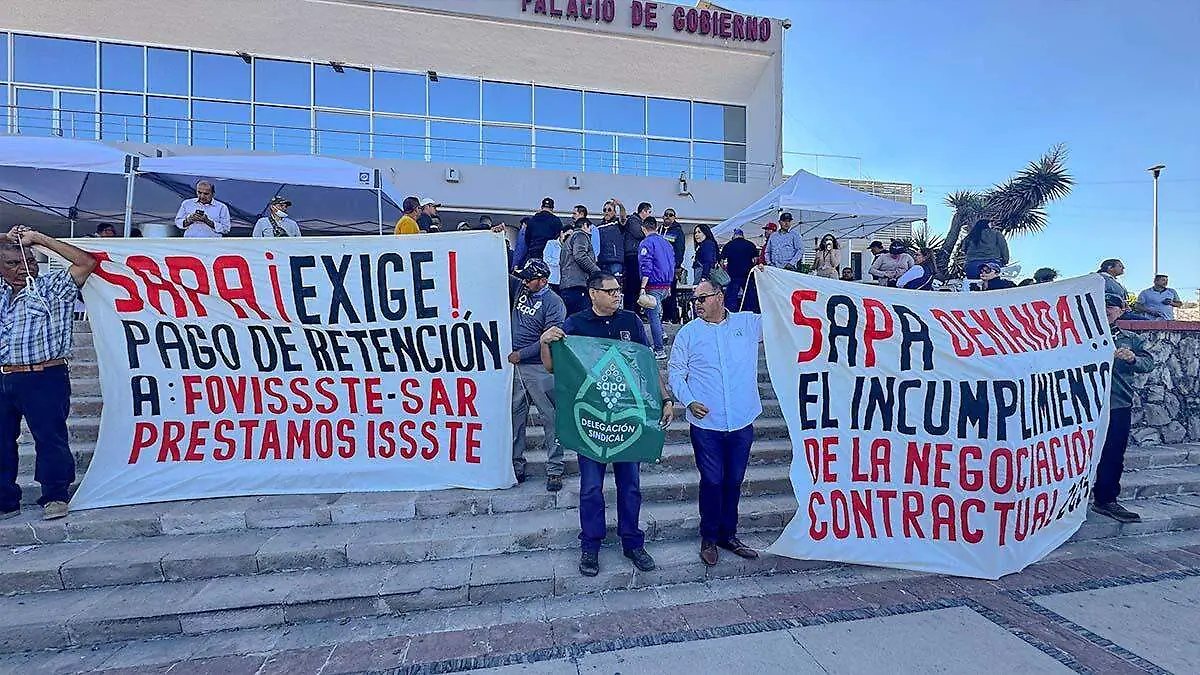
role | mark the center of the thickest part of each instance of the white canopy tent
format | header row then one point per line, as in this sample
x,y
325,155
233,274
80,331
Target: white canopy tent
x,y
822,206
328,195
67,178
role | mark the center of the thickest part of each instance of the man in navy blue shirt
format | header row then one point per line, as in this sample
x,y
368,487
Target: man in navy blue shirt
x,y
605,319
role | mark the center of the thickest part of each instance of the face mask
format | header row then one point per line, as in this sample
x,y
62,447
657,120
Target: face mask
x,y
281,214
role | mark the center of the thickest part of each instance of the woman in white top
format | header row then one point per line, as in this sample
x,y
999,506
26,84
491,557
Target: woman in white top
x,y
551,255
828,258
276,223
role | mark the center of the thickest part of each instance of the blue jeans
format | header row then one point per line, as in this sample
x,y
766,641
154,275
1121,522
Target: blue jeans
x,y
591,504
44,400
576,299
655,315
722,457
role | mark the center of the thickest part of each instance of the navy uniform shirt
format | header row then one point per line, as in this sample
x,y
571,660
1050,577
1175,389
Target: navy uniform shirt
x,y
623,325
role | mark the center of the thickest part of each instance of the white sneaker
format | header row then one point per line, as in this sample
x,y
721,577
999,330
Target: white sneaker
x,y
660,354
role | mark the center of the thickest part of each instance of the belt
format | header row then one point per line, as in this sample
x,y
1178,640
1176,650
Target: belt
x,y
33,368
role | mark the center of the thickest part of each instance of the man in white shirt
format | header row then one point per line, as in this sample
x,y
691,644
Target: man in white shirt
x,y
713,372
203,216
1159,301
276,223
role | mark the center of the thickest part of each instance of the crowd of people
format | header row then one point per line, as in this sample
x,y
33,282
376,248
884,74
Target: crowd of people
x,y
610,279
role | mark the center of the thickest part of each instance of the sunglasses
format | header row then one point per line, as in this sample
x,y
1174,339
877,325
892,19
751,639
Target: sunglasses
x,y
612,292
702,298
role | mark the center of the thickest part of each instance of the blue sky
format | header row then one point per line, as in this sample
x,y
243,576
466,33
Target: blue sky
x,y
951,94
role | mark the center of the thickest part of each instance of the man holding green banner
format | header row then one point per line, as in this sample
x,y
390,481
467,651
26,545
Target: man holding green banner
x,y
612,409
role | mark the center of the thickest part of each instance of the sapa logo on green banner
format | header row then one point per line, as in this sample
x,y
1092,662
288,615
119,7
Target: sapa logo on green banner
x,y
607,395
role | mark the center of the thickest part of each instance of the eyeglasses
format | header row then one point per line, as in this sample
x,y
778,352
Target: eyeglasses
x,y
702,298
612,292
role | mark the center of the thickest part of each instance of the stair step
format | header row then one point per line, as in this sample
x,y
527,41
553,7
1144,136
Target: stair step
x,y
84,564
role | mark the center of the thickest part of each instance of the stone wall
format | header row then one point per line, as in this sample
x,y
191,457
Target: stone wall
x,y
1166,406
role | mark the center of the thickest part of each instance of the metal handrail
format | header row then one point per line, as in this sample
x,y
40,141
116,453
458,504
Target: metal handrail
x,y
317,140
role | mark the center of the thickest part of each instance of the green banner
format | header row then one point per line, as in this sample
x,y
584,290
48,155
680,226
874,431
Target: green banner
x,y
607,399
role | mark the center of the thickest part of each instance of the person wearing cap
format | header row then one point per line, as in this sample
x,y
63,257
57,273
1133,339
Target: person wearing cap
x,y
785,248
408,222
672,231
429,221
276,223
633,232
989,275
1130,358
203,216
541,227
537,309
610,238
876,249
739,255
768,230
891,266
577,263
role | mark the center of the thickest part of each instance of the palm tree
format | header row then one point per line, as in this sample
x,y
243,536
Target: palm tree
x,y
1016,206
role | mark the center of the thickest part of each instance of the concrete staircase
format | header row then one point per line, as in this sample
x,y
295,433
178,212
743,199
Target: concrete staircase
x,y
241,564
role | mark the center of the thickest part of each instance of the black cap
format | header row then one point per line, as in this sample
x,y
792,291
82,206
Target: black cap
x,y
786,216
547,203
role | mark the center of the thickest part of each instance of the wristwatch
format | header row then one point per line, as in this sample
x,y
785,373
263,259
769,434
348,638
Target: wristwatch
x,y
669,401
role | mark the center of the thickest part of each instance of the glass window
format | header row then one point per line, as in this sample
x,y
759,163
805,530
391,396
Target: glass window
x,y
343,134
507,146
44,60
122,67
402,93
77,115
454,97
454,142
400,137
667,117
221,125
3,108
599,153
121,117
561,150
4,60
719,161
631,156
167,120
220,76
35,112
350,89
712,122
558,107
614,112
282,129
667,159
166,71
507,103
286,82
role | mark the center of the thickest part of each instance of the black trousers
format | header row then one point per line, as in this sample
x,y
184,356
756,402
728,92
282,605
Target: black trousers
x,y
632,282
1112,457
44,400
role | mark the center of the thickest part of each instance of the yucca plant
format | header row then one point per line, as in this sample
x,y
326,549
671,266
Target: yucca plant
x,y
1016,206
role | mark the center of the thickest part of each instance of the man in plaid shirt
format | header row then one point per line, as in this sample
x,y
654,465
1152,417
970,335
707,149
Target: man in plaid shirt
x,y
35,339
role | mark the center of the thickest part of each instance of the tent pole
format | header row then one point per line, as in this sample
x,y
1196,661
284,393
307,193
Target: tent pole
x,y
379,200
130,175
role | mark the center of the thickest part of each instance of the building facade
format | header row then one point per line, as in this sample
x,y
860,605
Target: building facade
x,y
484,105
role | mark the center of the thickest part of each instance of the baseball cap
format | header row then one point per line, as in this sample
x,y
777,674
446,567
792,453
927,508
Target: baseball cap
x,y
737,232
534,268
426,201
547,203
771,227
280,199
990,266
785,216
485,220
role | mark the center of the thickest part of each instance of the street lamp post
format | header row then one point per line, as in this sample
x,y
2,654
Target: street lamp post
x,y
1154,171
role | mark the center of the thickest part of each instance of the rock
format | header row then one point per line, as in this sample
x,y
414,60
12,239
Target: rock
x,y
1156,416
1146,437
1174,432
1154,393
1194,429
1171,403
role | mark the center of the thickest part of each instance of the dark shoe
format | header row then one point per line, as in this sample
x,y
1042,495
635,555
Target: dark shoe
x,y
738,548
520,477
553,483
589,563
708,553
5,515
1117,512
641,559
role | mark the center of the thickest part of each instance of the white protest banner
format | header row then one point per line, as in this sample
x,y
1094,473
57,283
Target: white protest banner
x,y
287,366
942,432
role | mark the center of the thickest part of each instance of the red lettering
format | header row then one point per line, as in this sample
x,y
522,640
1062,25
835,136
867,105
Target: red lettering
x,y
816,529
298,387
323,389
962,344
196,442
970,480
219,431
243,291
801,319
466,397
156,285
473,442
412,402
973,332
173,432
190,394
876,313
941,507
145,434
132,303
427,430
969,534
913,506
176,264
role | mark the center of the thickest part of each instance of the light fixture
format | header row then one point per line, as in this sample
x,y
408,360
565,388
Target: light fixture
x,y
433,77
573,183
245,56
338,66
